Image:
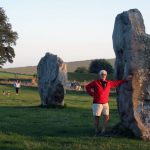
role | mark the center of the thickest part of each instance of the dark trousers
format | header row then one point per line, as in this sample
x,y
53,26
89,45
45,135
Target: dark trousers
x,y
17,90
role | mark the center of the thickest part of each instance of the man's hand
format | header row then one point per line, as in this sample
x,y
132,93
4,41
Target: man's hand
x,y
129,77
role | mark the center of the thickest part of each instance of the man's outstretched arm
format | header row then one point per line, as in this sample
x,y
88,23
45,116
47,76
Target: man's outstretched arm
x,y
119,82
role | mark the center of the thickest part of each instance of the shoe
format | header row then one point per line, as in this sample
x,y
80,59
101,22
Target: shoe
x,y
105,134
103,130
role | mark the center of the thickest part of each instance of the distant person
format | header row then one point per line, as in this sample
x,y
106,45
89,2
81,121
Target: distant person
x,y
99,90
17,85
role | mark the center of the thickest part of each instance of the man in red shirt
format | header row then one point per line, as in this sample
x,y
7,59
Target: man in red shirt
x,y
99,90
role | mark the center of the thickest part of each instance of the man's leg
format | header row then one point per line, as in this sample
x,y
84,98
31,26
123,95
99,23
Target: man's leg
x,y
97,109
96,124
106,116
106,120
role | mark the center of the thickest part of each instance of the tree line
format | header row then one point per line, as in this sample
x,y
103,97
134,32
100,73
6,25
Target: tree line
x,y
95,66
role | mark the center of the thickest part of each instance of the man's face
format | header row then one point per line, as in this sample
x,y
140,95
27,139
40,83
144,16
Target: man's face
x,y
103,76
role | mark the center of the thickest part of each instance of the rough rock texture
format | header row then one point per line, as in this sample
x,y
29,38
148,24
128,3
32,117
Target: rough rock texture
x,y
52,76
132,48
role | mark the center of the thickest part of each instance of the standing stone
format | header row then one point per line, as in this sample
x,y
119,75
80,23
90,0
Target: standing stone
x,y
132,48
52,76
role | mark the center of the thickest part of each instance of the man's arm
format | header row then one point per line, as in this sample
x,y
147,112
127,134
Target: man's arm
x,y
119,82
89,88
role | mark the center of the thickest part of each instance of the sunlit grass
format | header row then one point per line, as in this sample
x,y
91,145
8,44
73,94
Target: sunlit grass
x,y
7,75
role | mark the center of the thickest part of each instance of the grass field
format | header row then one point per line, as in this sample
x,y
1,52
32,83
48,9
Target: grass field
x,y
6,75
71,76
26,126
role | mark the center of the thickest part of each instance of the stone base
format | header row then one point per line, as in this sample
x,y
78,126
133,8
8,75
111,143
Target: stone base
x,y
53,106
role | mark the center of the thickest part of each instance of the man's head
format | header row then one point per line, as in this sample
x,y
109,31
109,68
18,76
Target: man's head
x,y
103,74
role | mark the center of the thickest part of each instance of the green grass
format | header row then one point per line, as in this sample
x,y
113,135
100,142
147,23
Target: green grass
x,y
71,76
25,125
6,75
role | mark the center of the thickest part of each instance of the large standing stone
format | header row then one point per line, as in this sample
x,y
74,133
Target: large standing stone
x,y
52,76
132,48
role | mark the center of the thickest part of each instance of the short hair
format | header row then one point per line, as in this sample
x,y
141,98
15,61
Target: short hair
x,y
102,72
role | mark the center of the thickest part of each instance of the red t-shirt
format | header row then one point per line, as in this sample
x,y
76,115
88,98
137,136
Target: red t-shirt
x,y
100,95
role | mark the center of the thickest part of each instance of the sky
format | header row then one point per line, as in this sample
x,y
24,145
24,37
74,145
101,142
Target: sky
x,y
72,29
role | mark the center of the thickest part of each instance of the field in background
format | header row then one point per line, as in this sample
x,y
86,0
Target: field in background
x,y
72,66
26,126
72,76
8,75
29,71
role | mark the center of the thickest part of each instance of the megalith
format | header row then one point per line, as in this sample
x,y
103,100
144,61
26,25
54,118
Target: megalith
x,y
52,77
132,48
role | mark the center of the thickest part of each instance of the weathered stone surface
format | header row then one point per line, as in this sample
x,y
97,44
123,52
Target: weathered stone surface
x,y
132,48
52,76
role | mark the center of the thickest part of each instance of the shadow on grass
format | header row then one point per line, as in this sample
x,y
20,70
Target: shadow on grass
x,y
37,121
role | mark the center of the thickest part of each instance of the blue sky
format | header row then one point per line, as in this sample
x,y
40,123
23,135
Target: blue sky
x,y
72,29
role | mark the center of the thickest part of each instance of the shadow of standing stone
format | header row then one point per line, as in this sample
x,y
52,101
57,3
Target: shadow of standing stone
x,y
132,48
52,77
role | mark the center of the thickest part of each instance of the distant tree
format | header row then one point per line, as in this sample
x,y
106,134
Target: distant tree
x,y
7,39
81,70
100,64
